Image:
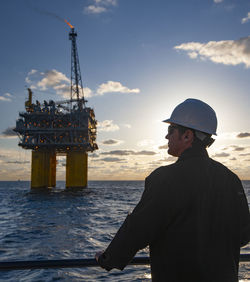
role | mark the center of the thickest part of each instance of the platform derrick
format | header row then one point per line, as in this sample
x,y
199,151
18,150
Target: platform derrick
x,y
63,127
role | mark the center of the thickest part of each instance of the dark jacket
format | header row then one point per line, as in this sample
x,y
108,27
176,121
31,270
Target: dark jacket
x,y
194,216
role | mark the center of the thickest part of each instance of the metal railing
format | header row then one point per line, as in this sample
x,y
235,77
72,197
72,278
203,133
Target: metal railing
x,y
75,263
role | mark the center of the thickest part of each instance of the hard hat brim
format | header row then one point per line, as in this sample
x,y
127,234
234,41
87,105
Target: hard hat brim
x,y
169,120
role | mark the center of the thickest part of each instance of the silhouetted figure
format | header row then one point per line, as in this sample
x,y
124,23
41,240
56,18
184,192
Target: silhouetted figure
x,y
193,214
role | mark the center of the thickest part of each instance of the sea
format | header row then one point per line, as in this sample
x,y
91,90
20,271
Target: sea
x,y
64,224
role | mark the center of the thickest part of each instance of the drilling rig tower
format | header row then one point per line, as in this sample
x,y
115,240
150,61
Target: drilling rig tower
x,y
54,128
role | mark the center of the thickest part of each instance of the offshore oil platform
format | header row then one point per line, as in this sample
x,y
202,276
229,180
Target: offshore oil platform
x,y
59,128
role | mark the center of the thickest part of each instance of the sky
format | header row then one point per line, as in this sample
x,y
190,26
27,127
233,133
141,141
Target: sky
x,y
139,59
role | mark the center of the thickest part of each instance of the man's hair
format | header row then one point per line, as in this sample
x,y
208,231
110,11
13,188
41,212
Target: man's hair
x,y
201,138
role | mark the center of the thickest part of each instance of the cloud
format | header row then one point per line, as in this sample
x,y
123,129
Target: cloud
x,y
246,19
8,133
145,153
170,159
12,156
92,9
218,1
227,52
6,97
52,78
17,162
227,136
243,135
33,71
221,155
163,147
237,148
99,6
93,155
129,152
30,76
127,125
112,160
112,142
55,80
87,92
192,55
114,86
107,125
246,154
145,143
118,152
157,162
61,84
107,2
62,89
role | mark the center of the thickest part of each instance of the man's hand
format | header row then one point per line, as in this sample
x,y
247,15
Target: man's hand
x,y
98,254
102,262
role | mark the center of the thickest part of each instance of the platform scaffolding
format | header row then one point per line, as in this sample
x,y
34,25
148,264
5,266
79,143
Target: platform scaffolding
x,y
64,127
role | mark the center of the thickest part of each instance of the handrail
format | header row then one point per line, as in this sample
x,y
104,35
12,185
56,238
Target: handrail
x,y
74,263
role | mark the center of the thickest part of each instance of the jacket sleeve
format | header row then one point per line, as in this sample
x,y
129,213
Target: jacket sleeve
x,y
244,216
139,229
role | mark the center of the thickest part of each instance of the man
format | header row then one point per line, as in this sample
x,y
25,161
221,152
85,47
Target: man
x,y
193,214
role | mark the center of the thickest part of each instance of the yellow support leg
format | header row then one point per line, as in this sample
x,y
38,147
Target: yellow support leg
x,y
39,169
76,169
52,169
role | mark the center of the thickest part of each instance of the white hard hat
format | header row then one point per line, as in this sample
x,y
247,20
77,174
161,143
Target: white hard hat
x,y
195,114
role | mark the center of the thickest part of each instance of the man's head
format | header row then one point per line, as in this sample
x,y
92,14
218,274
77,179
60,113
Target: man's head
x,y
178,141
193,121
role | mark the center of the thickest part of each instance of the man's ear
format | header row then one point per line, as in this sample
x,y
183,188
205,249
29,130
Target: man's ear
x,y
189,135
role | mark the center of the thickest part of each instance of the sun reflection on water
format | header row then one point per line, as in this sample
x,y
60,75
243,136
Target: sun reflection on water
x,y
147,276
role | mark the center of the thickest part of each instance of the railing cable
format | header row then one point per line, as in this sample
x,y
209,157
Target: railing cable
x,y
75,263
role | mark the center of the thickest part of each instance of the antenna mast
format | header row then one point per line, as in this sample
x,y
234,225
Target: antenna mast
x,y
76,90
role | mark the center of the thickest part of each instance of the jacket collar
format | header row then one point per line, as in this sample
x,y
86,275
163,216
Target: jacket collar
x,y
193,152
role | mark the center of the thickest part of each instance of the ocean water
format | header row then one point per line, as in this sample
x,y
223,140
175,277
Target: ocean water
x,y
61,224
